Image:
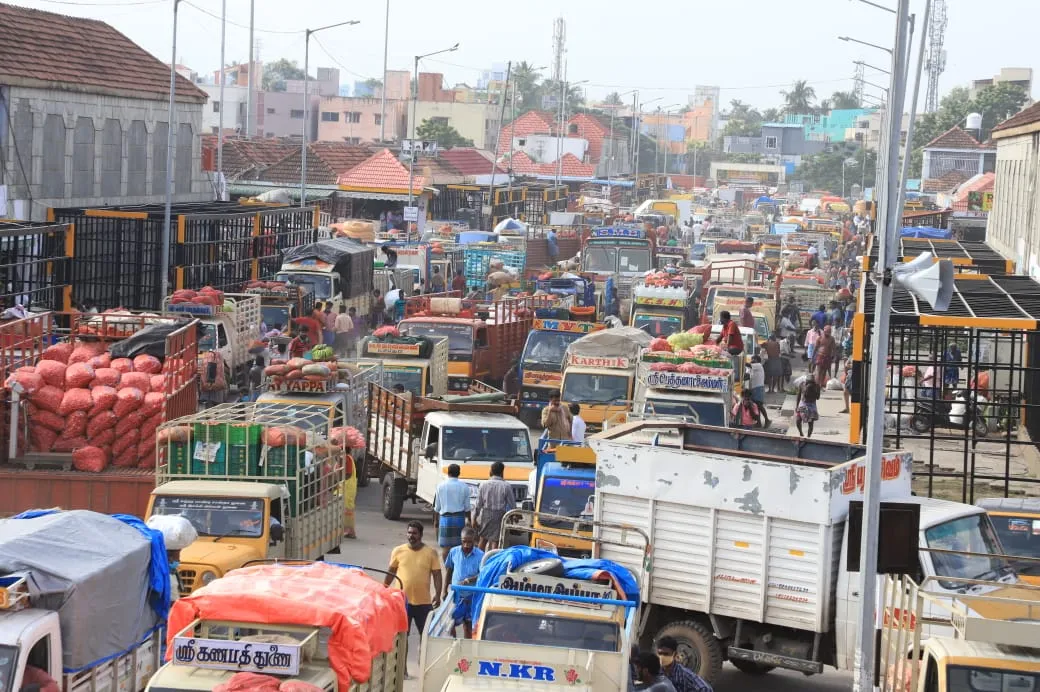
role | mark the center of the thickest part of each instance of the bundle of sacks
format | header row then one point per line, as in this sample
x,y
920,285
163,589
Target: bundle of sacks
x,y
103,410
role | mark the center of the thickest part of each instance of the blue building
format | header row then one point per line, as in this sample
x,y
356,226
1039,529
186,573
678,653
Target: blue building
x,y
830,127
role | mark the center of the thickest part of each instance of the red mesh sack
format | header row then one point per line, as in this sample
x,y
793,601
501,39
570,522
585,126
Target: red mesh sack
x,y
176,433
137,380
103,439
151,424
146,456
48,398
75,425
248,682
126,441
147,364
282,436
51,421
107,377
26,368
52,372
88,458
130,422
69,444
102,361
75,400
100,422
158,383
128,401
123,365
41,439
153,403
30,382
83,352
102,398
58,352
79,375
298,686
125,459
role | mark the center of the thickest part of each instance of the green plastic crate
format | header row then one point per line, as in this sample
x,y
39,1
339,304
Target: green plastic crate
x,y
282,461
180,457
215,465
244,460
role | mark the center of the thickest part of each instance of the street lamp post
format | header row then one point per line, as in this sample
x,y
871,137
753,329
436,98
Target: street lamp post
x,y
165,283
382,102
307,105
849,39
415,98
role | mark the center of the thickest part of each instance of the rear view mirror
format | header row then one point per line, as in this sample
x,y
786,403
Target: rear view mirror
x,y
277,533
431,451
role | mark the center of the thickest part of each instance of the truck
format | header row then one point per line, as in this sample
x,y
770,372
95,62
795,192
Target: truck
x,y
419,364
484,338
337,270
701,391
413,259
757,562
599,372
564,490
480,258
412,440
763,308
228,329
619,252
280,304
541,363
256,480
76,603
537,624
662,310
324,625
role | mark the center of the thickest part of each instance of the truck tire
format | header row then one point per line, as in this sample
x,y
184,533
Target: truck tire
x,y
699,650
548,567
394,490
361,469
749,668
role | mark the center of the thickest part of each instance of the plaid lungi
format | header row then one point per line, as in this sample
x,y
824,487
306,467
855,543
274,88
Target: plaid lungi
x,y
449,529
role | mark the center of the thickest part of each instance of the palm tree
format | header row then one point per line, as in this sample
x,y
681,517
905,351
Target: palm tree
x,y
575,94
526,79
738,109
824,107
844,100
799,99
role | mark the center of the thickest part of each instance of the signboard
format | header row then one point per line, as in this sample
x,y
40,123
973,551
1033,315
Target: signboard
x,y
238,656
420,147
517,670
662,302
392,348
614,232
567,326
687,381
980,201
599,361
536,378
525,583
192,309
411,213
782,228
302,386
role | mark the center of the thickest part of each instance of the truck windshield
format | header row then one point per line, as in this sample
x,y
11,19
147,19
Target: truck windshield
x,y
275,316
8,660
320,286
600,259
972,534
1020,536
658,325
216,516
567,497
704,412
965,679
632,259
460,336
212,336
547,349
486,444
594,388
409,378
548,630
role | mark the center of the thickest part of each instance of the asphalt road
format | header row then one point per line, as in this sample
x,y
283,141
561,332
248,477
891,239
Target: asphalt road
x,y
377,537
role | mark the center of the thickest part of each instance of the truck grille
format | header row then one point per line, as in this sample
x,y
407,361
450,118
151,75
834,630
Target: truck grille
x,y
187,578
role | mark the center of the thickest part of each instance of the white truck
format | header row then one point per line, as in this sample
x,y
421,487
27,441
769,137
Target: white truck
x,y
752,541
412,440
75,604
227,329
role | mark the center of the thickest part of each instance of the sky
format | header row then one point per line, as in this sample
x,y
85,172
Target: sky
x,y
750,48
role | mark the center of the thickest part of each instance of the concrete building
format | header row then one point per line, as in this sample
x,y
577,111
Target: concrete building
x,y
778,143
280,114
234,107
478,122
357,120
1019,76
1014,221
326,83
956,150
89,128
831,126
705,103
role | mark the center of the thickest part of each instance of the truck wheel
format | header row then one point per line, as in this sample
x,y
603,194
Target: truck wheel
x,y
394,490
699,650
549,567
750,668
361,469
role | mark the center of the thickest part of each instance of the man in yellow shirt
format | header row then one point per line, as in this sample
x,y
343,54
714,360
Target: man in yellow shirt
x,y
414,563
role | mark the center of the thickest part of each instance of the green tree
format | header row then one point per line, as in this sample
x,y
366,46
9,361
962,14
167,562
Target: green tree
x,y
527,79
275,74
771,115
824,107
843,100
373,83
552,88
612,99
446,136
823,171
742,120
800,97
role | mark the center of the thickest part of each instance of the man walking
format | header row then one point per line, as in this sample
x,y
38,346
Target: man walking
x,y
344,327
682,678
451,503
494,499
462,567
416,564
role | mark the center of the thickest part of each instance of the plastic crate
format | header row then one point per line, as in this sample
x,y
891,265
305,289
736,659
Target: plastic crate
x,y
208,461
180,457
243,460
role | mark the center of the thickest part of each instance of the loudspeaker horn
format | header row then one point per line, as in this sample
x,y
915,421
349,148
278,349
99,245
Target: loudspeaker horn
x,y
929,280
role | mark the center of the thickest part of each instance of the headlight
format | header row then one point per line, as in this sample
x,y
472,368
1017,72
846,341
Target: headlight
x,y
207,577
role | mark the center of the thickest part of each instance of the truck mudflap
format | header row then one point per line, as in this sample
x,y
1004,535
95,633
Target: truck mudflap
x,y
772,660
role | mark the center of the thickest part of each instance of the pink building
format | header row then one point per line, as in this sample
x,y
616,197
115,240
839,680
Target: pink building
x,y
431,88
357,120
398,85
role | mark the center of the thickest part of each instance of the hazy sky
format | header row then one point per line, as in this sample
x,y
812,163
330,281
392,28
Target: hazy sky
x,y
750,48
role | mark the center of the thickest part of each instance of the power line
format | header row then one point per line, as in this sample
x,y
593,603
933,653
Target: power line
x,y
241,26
337,62
103,4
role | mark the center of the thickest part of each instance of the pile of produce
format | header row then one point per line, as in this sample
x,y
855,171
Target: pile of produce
x,y
103,410
684,355
660,279
207,295
267,287
327,369
113,323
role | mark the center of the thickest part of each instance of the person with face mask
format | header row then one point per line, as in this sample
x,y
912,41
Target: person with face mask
x,y
682,678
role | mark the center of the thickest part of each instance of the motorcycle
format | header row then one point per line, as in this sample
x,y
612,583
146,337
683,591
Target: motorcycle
x,y
959,413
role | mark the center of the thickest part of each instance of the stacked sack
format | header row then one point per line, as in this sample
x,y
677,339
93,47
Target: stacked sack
x,y
102,410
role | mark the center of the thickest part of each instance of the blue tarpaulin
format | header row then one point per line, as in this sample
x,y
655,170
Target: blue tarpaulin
x,y
511,558
926,232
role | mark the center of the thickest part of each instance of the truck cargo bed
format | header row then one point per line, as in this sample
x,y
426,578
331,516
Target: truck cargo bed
x,y
113,491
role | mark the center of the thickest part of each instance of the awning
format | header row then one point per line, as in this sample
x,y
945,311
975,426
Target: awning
x,y
384,196
247,190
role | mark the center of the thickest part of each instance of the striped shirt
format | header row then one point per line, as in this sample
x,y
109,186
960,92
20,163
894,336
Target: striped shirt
x,y
495,495
685,680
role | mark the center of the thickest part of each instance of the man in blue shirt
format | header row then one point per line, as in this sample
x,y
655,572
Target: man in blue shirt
x,y
451,503
463,565
821,316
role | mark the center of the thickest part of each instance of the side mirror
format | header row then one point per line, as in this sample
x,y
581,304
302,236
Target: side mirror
x,y
277,533
431,451
527,505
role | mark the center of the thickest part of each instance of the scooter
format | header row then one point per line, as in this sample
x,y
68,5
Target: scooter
x,y
956,414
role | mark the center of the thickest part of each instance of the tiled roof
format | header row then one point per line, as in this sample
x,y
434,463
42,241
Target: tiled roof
x,y
438,171
947,182
981,183
51,50
287,171
572,167
530,123
1027,116
246,159
954,138
470,161
381,171
340,156
591,130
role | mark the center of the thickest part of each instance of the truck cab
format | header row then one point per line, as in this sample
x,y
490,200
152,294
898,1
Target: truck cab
x,y
621,252
337,270
280,305
541,363
419,365
704,397
227,329
600,371
565,488
663,310
1017,522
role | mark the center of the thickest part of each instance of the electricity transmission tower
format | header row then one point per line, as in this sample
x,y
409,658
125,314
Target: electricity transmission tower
x,y
936,62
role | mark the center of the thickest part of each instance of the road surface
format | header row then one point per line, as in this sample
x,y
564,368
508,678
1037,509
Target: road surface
x,y
377,536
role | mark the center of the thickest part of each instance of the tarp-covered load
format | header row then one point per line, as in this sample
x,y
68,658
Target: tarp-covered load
x,y
351,259
364,615
624,342
926,232
93,570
